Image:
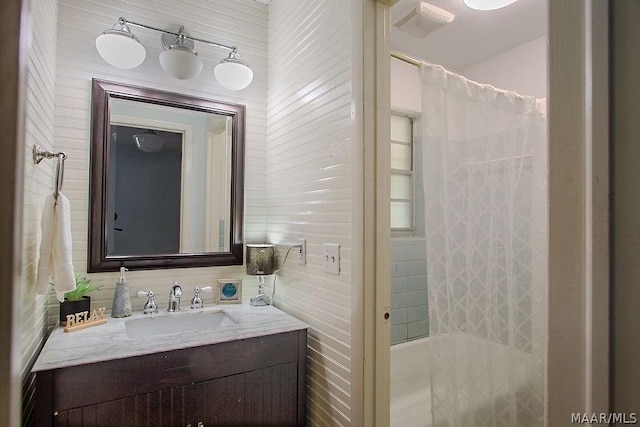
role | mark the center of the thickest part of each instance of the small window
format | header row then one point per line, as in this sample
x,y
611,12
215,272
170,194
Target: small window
x,y
401,175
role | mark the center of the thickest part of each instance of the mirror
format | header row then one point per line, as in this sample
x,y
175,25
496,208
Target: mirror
x,y
167,179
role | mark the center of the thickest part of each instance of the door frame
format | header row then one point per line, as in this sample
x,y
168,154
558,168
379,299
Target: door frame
x,y
577,363
13,58
577,368
371,284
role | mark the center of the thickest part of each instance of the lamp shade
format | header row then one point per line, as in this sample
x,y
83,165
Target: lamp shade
x,y
233,73
180,62
260,260
120,48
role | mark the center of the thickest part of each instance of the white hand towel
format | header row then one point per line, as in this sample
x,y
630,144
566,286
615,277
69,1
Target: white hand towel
x,y
44,263
55,250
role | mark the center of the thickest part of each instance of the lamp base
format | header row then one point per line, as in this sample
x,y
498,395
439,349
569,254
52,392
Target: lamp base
x,y
260,300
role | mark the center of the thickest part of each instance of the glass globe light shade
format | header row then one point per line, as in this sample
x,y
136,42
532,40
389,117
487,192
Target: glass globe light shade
x,y
233,73
488,4
180,62
149,141
120,48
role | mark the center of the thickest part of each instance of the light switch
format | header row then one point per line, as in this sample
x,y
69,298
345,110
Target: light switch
x,y
331,255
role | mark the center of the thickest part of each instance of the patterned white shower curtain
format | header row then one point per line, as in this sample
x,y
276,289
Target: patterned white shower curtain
x,y
484,169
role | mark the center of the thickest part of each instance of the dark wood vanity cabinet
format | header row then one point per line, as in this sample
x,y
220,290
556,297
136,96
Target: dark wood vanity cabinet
x,y
251,382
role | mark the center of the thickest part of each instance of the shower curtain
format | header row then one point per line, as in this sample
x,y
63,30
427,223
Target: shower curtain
x,y
484,172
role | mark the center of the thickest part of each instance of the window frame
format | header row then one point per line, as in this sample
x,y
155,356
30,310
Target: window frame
x,y
405,231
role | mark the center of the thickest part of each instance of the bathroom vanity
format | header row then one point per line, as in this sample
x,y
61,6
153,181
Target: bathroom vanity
x,y
250,371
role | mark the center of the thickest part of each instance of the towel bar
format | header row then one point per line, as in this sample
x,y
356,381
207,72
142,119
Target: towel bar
x,y
39,154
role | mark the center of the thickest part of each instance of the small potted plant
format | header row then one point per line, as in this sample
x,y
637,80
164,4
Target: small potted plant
x,y
77,301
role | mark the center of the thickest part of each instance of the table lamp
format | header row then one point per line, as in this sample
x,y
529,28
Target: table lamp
x,y
260,262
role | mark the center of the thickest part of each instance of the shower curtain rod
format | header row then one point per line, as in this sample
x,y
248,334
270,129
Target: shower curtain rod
x,y
500,160
405,58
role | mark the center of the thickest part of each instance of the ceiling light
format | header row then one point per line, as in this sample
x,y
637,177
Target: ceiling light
x,y
233,73
488,4
119,47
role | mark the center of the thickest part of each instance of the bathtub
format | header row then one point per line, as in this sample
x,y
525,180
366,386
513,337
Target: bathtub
x,y
410,384
411,376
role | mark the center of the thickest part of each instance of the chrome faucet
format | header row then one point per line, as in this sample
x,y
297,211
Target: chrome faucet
x,y
174,297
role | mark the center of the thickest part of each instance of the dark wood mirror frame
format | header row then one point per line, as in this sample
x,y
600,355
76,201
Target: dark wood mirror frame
x,y
98,260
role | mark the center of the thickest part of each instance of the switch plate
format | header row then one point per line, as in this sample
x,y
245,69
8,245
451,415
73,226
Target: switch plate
x,y
302,251
331,256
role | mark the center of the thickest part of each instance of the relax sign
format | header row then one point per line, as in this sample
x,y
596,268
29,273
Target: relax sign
x,y
82,320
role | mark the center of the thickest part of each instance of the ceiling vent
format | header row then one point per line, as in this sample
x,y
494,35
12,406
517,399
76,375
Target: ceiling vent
x,y
423,19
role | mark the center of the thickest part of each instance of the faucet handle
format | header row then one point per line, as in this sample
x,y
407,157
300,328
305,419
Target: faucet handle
x,y
150,307
196,301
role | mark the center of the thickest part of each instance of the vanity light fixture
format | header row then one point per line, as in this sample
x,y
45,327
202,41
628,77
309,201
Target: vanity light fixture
x,y
149,141
488,4
232,72
121,48
179,58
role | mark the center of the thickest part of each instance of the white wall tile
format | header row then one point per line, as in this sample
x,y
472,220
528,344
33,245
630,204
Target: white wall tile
x,y
409,304
399,333
417,329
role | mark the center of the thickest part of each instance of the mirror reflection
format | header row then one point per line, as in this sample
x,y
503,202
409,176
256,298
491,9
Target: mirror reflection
x,y
169,180
166,180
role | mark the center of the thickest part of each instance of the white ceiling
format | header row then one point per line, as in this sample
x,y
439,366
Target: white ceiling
x,y
474,35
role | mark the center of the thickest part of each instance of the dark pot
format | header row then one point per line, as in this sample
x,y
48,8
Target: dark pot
x,y
73,307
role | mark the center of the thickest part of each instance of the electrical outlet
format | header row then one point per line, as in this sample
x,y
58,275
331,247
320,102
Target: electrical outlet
x,y
331,255
302,251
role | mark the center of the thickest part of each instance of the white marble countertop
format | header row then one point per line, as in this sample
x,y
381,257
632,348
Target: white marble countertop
x,y
110,341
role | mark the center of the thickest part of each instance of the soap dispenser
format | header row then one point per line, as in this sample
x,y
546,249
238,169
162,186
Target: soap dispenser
x,y
121,298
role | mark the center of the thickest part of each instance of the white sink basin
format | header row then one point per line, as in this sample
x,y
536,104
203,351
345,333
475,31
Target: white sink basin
x,y
178,323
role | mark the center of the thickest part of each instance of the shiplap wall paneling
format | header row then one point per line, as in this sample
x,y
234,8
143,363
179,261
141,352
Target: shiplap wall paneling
x,y
38,184
309,175
242,23
39,180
